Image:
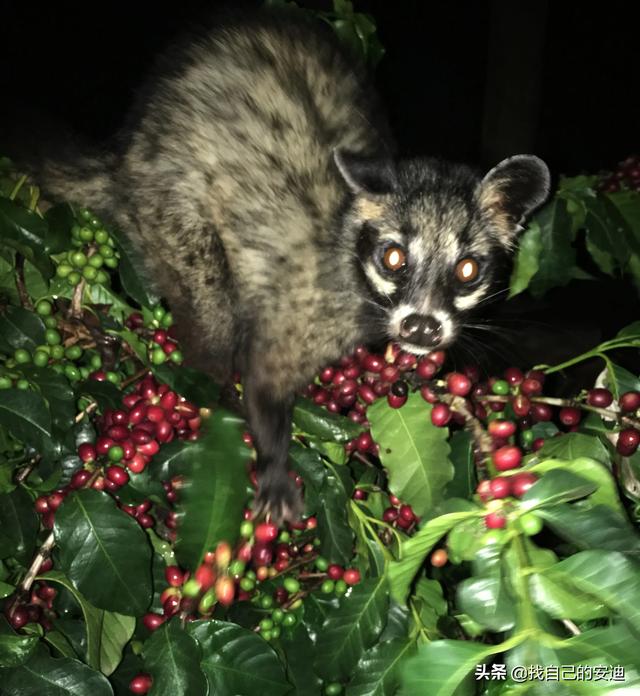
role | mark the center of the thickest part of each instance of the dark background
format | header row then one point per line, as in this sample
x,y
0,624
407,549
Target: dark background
x,y
474,81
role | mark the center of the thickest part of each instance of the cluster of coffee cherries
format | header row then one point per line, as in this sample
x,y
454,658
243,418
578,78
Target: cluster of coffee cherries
x,y
286,557
70,360
39,607
625,177
151,414
94,249
400,515
351,386
158,332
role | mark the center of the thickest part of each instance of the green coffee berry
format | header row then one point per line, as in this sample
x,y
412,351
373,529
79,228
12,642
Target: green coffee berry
x,y
63,270
44,308
22,356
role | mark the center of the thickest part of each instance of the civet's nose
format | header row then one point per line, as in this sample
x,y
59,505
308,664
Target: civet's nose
x,y
421,330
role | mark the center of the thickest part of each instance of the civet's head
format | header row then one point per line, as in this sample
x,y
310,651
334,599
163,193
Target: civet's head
x,y
428,234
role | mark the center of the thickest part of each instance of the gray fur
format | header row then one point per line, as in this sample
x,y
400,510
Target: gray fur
x,y
245,179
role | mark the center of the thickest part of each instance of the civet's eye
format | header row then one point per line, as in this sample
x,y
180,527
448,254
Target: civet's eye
x,y
467,270
394,258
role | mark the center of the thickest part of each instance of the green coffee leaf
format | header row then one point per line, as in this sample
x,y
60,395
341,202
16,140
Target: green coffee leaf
x,y
378,670
335,534
104,552
444,667
215,494
526,262
316,421
129,266
487,601
609,577
414,551
573,446
26,232
592,527
561,602
351,629
557,486
18,526
57,392
606,492
20,328
106,632
413,450
26,416
60,219
41,674
15,649
237,661
172,657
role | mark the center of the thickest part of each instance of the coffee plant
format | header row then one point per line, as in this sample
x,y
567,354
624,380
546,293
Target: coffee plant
x,y
462,533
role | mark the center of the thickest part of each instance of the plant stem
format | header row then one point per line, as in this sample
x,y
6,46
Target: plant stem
x,y
41,557
16,189
564,403
75,309
21,285
24,473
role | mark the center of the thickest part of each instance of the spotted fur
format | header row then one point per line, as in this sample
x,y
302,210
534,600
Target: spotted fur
x,y
255,178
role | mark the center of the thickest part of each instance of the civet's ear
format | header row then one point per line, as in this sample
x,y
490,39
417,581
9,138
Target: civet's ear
x,y
512,190
374,175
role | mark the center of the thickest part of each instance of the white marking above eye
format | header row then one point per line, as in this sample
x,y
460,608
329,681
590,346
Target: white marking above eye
x,y
383,285
467,301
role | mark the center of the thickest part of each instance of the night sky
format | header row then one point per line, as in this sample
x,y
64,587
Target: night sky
x,y
566,76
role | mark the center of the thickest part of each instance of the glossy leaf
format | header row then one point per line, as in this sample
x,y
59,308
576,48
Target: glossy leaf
x,y
237,661
592,527
487,601
192,384
378,670
104,552
561,602
131,275
464,478
613,645
106,632
26,416
105,393
606,492
443,668
413,450
15,648
556,486
297,648
60,219
18,525
42,674
215,494
26,232
335,534
58,393
557,265
414,551
172,657
318,422
526,262
609,577
573,446
352,629
20,328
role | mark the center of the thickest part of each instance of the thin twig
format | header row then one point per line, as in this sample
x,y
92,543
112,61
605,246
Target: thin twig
x,y
86,411
482,439
24,473
134,378
568,403
41,557
75,309
21,285
571,627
